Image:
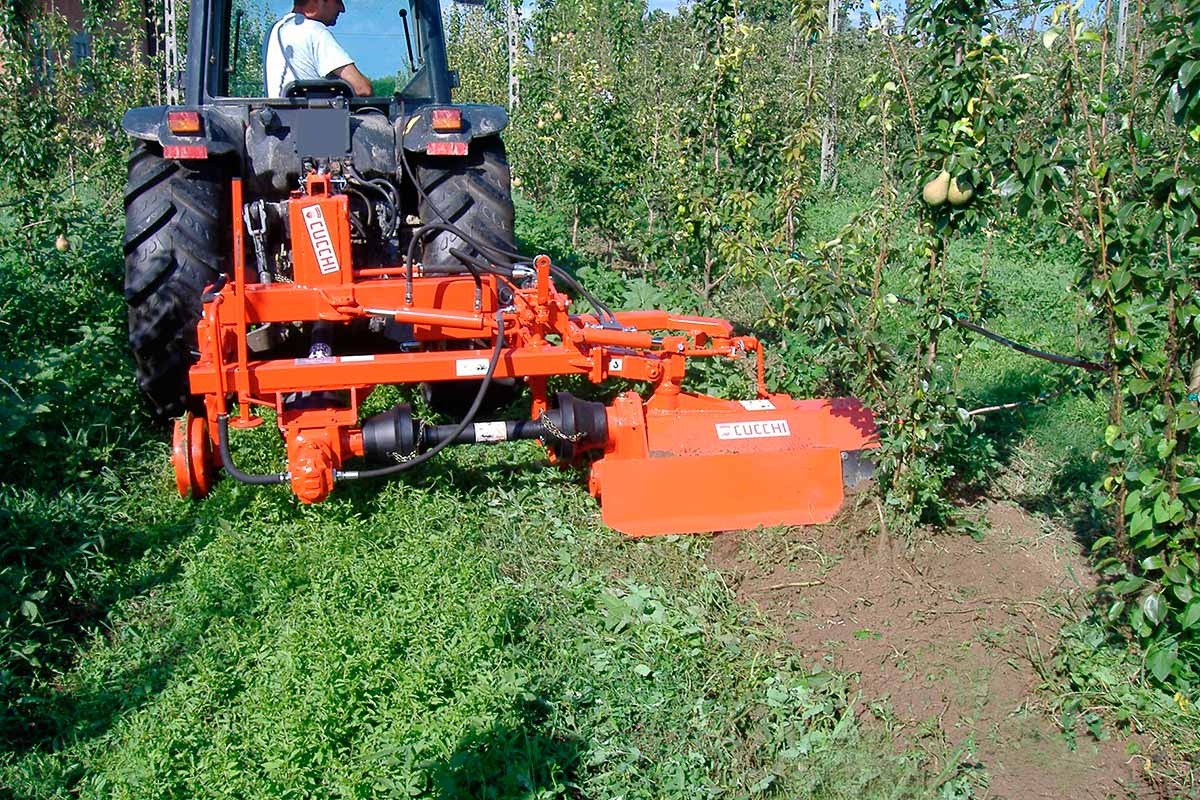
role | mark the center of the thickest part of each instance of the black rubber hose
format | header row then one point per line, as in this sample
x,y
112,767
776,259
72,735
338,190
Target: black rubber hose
x,y
500,255
394,469
411,256
1070,361
974,327
231,468
478,263
217,286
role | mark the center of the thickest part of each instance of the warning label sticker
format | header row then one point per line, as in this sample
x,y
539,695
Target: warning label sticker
x,y
753,430
490,432
470,367
757,405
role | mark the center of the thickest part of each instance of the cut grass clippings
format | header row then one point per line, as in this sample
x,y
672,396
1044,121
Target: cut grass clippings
x,y
470,632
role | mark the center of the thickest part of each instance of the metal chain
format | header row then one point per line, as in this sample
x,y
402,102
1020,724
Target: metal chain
x,y
255,216
401,459
550,427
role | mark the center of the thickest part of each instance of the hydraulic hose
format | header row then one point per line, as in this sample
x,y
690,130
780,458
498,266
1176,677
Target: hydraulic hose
x,y
502,256
468,418
975,327
231,468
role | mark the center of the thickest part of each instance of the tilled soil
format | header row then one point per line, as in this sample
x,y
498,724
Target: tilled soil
x,y
949,638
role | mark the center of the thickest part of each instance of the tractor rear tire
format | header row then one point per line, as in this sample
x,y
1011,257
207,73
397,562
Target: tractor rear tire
x,y
176,244
474,194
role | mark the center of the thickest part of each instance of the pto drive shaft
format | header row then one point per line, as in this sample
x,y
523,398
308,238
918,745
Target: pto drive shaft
x,y
570,429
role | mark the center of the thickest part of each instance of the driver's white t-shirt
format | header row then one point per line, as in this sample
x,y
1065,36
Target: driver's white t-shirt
x,y
300,49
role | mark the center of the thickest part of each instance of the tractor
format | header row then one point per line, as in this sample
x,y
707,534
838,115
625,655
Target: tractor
x,y
293,254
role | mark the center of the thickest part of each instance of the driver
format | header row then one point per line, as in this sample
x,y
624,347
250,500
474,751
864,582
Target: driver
x,y
300,47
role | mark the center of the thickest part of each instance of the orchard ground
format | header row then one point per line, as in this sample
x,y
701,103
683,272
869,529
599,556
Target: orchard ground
x,y
475,631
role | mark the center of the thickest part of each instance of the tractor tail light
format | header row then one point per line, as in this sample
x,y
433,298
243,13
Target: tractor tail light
x,y
446,120
185,122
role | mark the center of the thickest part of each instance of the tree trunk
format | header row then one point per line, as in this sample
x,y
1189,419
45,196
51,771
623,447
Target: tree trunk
x,y
1122,31
513,25
828,176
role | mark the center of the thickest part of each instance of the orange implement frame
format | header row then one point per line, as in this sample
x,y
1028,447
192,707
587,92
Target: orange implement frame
x,y
674,463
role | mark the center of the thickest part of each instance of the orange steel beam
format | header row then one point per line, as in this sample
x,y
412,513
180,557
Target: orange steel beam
x,y
341,372
283,302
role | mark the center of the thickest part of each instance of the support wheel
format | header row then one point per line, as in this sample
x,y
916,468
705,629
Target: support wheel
x,y
192,457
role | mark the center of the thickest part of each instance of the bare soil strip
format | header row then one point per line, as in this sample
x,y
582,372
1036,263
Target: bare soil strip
x,y
949,637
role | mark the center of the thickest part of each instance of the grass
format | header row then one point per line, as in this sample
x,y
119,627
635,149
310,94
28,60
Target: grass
x,y
472,631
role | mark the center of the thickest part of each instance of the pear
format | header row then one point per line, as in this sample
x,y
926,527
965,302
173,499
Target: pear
x,y
62,244
936,190
957,196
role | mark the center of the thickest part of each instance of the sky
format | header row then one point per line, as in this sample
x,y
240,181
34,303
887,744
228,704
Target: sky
x,y
371,33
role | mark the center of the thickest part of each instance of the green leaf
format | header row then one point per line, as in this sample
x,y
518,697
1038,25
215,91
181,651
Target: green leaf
x,y
1175,573
1140,523
763,785
1119,280
1154,608
1111,433
643,670
1127,585
1160,660
1191,615
1188,72
1162,511
1114,611
1150,563
1151,540
1049,36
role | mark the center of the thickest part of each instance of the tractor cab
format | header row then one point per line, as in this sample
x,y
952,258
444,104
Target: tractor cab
x,y
398,44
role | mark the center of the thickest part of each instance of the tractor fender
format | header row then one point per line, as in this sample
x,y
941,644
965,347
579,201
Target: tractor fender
x,y
415,132
149,123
